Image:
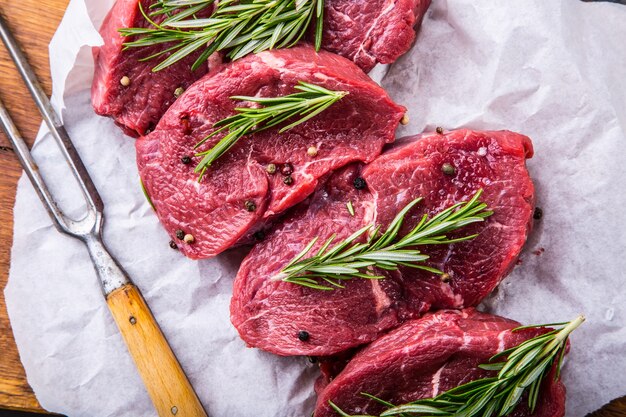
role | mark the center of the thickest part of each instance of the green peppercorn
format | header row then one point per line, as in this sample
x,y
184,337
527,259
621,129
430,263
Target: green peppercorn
x,y
448,169
288,180
271,169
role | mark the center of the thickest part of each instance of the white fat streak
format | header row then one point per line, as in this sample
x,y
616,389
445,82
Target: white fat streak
x,y
501,340
389,7
435,381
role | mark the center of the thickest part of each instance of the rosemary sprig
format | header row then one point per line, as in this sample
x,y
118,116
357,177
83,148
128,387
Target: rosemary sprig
x,y
523,371
347,259
239,26
310,101
178,9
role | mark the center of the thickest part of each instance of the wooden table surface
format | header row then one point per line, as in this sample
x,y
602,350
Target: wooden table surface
x,y
33,22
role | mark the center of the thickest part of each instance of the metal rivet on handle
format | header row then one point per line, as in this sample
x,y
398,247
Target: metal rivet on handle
x,y
132,320
174,410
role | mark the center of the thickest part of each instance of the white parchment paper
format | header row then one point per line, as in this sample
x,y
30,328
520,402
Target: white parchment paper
x,y
553,70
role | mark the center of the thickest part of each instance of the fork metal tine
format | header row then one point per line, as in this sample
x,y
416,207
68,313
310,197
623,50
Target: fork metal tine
x,y
58,132
26,160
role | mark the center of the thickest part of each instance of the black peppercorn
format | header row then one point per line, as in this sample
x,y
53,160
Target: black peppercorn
x,y
288,180
260,235
185,160
538,214
249,205
180,234
448,169
173,245
359,183
303,335
287,169
439,130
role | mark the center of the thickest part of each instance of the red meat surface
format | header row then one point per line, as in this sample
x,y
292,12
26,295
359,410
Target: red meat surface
x,y
270,313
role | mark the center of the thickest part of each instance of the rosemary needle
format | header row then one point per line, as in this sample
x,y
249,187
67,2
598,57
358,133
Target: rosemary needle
x,y
350,259
310,101
524,369
239,26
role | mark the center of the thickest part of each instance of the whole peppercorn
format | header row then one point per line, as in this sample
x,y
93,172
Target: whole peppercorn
x,y
249,205
359,183
173,245
448,169
287,169
180,234
271,169
185,160
303,335
538,214
445,277
178,92
439,130
312,151
405,120
288,180
189,238
125,81
259,235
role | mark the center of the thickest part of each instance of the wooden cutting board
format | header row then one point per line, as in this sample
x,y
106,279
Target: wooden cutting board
x,y
33,22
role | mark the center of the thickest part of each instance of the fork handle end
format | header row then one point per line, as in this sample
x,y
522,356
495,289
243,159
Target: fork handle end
x,y
168,387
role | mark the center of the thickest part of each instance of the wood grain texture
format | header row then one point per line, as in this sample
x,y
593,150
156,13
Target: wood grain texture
x,y
33,22
165,381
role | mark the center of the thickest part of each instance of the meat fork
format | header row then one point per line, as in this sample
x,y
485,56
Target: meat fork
x,y
166,383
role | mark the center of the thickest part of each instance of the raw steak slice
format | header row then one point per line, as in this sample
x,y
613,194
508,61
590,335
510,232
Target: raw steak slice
x,y
269,314
428,356
236,195
137,107
371,31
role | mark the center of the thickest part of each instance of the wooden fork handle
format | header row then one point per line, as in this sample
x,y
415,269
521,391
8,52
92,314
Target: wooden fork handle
x,y
165,380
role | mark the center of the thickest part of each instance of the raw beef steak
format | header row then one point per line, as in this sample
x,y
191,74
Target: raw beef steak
x,y
371,31
138,106
428,356
269,314
237,195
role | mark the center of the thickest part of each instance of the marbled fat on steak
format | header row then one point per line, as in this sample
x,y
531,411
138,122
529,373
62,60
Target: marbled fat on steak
x,y
428,356
269,314
371,31
366,32
137,107
237,195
